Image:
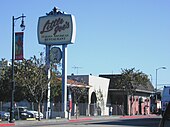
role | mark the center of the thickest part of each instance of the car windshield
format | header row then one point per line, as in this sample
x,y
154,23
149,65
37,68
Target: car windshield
x,y
22,109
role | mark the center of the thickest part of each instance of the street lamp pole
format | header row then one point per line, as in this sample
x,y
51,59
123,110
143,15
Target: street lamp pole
x,y
157,75
13,81
156,83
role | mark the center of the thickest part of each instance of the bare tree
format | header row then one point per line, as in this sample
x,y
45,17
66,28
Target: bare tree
x,y
79,95
33,77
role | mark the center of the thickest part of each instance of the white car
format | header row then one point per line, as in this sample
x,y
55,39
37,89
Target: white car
x,y
28,113
36,114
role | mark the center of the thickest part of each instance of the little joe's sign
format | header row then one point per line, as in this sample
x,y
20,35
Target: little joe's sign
x,y
56,29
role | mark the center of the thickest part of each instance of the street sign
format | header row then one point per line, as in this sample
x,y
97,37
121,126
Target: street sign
x,y
56,29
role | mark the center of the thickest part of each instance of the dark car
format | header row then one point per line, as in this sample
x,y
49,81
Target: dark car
x,y
4,115
22,113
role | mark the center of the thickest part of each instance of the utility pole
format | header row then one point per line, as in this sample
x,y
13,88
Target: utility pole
x,y
76,68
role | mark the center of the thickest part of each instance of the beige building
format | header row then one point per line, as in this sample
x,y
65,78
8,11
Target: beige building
x,y
97,93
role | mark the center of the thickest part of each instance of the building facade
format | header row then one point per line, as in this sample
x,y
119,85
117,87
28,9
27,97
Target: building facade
x,y
97,93
123,102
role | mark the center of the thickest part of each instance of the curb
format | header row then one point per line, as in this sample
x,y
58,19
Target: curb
x,y
7,124
80,119
137,116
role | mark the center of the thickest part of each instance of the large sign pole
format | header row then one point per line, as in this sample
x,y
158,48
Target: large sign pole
x,y
48,110
64,80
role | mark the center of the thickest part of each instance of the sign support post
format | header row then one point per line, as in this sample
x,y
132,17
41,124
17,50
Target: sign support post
x,y
64,80
48,110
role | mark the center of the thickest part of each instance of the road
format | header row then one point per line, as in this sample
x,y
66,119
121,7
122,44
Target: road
x,y
95,122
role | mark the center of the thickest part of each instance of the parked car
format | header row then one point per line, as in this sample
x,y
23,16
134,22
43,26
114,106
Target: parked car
x,y
24,113
4,115
36,114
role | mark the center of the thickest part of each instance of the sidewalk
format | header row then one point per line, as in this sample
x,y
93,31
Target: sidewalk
x,y
141,116
73,119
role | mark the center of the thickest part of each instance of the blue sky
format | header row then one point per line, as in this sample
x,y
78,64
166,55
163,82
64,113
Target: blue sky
x,y
111,34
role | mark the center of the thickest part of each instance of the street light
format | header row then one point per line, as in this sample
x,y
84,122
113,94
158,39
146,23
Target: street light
x,y
157,75
13,82
157,84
